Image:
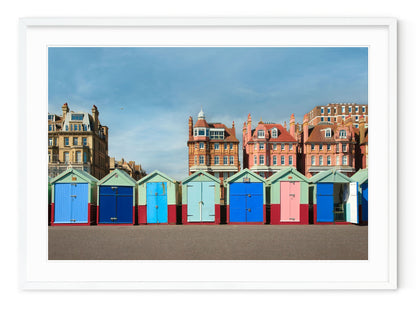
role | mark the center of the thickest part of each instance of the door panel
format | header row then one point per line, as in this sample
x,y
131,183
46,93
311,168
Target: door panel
x,y
79,203
364,202
108,203
289,201
325,202
208,201
62,213
125,205
194,199
237,208
157,204
352,203
254,202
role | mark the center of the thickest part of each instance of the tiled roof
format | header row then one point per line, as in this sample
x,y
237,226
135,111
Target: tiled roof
x,y
318,134
201,123
283,134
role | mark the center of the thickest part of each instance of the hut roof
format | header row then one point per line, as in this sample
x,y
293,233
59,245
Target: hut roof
x,y
81,174
331,175
154,173
245,171
197,173
126,178
361,176
285,172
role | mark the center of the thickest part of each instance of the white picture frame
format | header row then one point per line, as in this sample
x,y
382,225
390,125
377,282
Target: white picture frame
x,y
378,34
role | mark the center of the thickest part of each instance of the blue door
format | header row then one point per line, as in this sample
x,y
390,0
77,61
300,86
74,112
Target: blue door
x,y
364,202
325,202
116,205
201,201
157,202
71,203
246,202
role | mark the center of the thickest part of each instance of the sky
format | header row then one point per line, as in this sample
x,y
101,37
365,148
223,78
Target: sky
x,y
146,95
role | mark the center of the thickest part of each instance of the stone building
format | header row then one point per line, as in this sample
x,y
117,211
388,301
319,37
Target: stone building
x,y
134,170
77,140
338,112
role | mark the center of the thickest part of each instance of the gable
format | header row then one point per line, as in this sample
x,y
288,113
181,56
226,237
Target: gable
x,y
74,176
117,178
156,176
243,175
200,176
288,174
331,176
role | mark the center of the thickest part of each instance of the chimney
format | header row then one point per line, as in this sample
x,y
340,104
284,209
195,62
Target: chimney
x,y
190,125
285,126
244,133
361,127
305,128
292,125
65,110
95,114
249,127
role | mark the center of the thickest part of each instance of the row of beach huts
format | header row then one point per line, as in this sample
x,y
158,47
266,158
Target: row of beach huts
x,y
287,197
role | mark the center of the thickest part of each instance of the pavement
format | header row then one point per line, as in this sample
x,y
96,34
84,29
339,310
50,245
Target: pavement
x,y
209,242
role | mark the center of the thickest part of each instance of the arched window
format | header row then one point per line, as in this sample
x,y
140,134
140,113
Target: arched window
x,y
274,133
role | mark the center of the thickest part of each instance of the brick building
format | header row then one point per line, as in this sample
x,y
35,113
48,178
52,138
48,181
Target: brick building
x,y
338,112
212,147
77,140
269,147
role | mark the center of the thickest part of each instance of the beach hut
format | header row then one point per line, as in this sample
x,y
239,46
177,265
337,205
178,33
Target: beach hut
x,y
49,200
158,199
246,200
289,197
335,199
116,199
73,199
201,199
362,178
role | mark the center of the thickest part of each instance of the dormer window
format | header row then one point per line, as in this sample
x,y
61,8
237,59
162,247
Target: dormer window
x,y
77,117
342,134
274,133
327,132
260,133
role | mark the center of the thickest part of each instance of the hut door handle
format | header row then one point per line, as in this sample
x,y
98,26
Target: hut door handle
x,y
249,195
156,206
73,196
113,218
249,209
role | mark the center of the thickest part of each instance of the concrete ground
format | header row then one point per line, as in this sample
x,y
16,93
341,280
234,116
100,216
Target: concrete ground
x,y
209,242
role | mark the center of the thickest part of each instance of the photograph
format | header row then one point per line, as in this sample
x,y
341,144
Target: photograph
x,y
208,152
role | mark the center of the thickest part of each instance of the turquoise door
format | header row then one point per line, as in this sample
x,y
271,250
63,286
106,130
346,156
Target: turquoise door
x,y
71,203
201,201
157,202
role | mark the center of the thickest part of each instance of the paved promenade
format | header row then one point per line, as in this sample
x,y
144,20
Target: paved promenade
x,y
216,242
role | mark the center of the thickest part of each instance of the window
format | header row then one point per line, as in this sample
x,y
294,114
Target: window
x,y
49,157
337,160
201,132
274,146
363,109
282,160
343,109
66,157
225,146
231,146
66,127
260,134
274,160
349,109
75,141
66,141
261,160
201,159
342,134
78,156
195,132
344,147
328,160
216,146
283,146
328,147
274,133
329,119
51,117
290,160
84,141
344,160
321,160
322,109
216,134
322,119
50,141
337,148
201,145
356,118
290,146
335,110
356,109
50,127
321,147
261,146
75,127
313,160
312,146
329,110
255,160
225,160
77,117
231,160
216,160
85,157
196,160
255,146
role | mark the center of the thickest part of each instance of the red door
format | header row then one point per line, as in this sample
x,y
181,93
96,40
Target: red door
x,y
290,201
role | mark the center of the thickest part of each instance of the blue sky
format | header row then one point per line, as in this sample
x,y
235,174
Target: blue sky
x,y
146,95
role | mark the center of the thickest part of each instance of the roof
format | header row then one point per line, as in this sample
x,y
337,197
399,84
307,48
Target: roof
x,y
154,173
126,178
81,174
229,133
199,172
317,134
231,179
330,176
284,172
283,134
361,176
